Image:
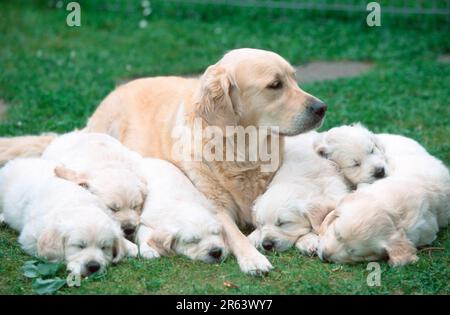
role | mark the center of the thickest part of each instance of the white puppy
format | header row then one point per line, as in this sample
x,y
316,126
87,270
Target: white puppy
x,y
356,151
177,218
107,169
392,216
301,194
58,220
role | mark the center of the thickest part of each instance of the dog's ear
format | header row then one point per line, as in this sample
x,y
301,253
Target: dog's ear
x,y
50,245
400,250
317,214
321,146
216,102
162,241
331,216
71,175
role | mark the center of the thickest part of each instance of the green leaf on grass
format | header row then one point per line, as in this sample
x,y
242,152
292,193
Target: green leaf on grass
x,y
48,286
30,270
48,269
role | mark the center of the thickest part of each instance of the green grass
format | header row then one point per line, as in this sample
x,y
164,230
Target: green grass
x,y
54,76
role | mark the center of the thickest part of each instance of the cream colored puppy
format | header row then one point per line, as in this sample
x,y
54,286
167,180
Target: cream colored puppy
x,y
177,218
59,220
357,153
392,216
303,191
106,168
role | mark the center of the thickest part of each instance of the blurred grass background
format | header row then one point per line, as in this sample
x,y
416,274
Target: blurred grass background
x,y
53,76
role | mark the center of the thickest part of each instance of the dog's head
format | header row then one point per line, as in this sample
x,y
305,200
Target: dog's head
x,y
281,218
87,243
122,190
356,152
359,230
252,87
195,234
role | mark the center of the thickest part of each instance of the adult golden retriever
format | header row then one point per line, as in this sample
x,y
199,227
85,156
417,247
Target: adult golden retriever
x,y
247,87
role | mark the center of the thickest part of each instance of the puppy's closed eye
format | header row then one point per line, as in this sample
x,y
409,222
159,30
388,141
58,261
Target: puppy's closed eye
x,y
275,85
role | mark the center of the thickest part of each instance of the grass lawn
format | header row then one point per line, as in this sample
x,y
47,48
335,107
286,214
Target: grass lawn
x,y
53,77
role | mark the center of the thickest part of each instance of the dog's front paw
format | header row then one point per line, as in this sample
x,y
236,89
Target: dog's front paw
x,y
148,252
398,261
255,264
132,249
74,269
308,244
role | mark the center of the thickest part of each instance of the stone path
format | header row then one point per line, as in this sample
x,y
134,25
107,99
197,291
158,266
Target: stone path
x,y
327,70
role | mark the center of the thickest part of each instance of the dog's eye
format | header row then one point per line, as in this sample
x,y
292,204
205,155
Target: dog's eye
x,y
105,248
275,85
193,241
113,208
81,246
350,251
356,164
281,223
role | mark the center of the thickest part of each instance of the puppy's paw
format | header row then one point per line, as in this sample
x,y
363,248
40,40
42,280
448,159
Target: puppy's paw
x,y
308,244
255,264
74,269
148,252
132,249
398,261
254,238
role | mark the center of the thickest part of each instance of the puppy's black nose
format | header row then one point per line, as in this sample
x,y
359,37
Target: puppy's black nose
x,y
325,257
379,172
92,266
319,108
128,229
215,253
267,244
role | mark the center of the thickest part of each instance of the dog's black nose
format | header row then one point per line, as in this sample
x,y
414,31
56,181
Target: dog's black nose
x,y
215,253
379,172
325,257
92,266
319,108
267,244
128,229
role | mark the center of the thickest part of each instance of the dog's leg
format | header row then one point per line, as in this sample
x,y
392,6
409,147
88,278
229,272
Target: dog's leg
x,y
131,248
250,260
308,244
145,250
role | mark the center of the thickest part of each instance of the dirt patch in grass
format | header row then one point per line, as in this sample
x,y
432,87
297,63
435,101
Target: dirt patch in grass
x,y
444,58
330,70
3,109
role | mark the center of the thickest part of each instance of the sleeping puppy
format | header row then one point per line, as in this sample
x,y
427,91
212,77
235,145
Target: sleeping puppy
x,y
356,152
392,216
177,218
58,220
303,191
106,168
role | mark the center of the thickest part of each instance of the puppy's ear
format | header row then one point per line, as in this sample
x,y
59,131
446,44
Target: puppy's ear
x,y
50,245
71,175
216,104
321,146
317,214
400,250
327,221
163,241
378,143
